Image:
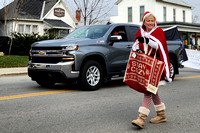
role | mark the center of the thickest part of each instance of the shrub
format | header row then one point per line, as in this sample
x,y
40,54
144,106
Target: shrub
x,y
21,43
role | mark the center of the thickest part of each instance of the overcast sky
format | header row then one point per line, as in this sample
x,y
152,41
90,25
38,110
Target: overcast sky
x,y
196,8
194,3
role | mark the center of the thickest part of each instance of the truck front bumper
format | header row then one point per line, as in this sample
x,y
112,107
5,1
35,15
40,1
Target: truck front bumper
x,y
62,70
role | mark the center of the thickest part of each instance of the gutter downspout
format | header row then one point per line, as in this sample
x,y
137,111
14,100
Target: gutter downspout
x,y
42,12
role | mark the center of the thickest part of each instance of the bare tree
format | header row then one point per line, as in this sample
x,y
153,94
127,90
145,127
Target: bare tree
x,y
5,18
93,10
20,4
195,18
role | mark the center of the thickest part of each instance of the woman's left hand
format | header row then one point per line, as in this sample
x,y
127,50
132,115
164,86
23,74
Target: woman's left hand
x,y
141,39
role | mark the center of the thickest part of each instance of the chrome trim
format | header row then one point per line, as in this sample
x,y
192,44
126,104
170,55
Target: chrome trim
x,y
65,67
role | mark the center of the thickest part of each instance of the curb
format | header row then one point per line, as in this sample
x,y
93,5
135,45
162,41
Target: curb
x,y
13,74
13,71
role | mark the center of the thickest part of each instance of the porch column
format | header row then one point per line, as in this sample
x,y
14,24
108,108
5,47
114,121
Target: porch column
x,y
188,38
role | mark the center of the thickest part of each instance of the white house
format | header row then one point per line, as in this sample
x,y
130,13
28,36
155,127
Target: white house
x,y
131,11
168,13
36,16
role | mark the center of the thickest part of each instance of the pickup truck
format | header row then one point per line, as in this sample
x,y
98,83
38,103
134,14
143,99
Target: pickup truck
x,y
89,56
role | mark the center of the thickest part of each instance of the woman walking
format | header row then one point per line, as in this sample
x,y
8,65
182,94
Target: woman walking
x,y
155,38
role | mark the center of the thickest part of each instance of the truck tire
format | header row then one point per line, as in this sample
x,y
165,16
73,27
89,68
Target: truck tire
x,y
172,69
45,83
91,76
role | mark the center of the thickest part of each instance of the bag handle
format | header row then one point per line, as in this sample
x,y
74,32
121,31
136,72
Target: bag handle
x,y
156,51
145,47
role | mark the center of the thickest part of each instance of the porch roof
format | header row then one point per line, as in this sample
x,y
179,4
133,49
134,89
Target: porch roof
x,y
57,24
184,27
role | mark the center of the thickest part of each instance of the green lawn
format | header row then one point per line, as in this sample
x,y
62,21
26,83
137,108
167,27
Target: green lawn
x,y
13,61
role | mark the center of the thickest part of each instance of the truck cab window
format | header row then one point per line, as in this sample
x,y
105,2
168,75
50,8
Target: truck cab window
x,y
120,31
133,30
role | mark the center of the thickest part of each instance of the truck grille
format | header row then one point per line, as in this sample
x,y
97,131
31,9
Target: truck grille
x,y
46,59
48,54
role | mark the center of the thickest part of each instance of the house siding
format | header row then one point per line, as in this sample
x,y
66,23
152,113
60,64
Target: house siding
x,y
29,17
170,7
156,7
67,18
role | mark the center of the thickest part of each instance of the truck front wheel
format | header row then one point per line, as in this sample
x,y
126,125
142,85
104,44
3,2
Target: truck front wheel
x,y
91,75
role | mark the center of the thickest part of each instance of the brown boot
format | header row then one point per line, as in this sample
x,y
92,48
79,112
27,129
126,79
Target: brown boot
x,y
161,117
143,113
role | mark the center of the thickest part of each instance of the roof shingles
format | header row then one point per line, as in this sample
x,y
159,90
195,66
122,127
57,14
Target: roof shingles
x,y
28,9
57,23
177,2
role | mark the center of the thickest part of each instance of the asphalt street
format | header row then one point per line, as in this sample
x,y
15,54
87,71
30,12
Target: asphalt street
x,y
27,107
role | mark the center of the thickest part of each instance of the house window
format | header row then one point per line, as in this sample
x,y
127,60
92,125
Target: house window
x,y
63,33
21,28
164,14
183,16
35,29
174,14
141,12
28,29
129,14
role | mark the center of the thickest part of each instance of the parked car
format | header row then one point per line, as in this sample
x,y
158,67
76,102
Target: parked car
x,y
89,55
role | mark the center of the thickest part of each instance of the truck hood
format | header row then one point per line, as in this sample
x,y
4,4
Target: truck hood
x,y
64,42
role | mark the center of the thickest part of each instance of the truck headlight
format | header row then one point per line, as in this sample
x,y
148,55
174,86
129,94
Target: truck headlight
x,y
70,47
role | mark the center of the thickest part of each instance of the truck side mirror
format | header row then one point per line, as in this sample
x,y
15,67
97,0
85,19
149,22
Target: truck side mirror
x,y
115,38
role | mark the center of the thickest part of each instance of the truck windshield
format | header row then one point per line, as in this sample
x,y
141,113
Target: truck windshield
x,y
92,32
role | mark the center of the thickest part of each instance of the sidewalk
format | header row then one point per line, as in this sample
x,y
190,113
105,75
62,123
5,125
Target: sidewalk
x,y
13,71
